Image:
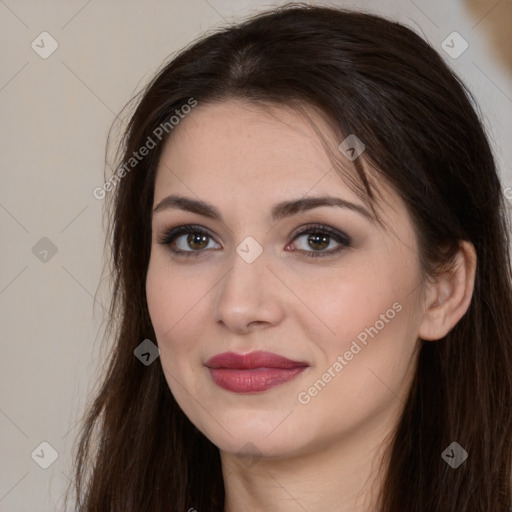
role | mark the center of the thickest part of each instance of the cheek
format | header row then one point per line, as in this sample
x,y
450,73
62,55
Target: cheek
x,y
169,305
369,317
360,381
173,306
171,296
350,303
178,308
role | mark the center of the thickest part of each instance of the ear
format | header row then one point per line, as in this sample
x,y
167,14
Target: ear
x,y
448,298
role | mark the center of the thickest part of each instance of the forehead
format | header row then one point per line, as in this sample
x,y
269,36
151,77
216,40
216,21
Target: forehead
x,y
239,154
238,143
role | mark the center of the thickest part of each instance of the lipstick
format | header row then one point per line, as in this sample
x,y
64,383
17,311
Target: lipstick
x,y
253,372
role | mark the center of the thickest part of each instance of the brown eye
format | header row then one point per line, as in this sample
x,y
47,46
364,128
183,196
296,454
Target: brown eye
x,y
193,244
318,241
197,241
319,238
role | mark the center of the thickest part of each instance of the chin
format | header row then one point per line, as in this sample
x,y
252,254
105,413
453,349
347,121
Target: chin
x,y
255,436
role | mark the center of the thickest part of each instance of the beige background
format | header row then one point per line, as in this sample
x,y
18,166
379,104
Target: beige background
x,y
55,115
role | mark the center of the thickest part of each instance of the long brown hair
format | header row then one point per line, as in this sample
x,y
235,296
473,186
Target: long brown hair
x,y
372,77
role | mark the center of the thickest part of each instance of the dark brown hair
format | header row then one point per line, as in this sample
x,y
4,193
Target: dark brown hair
x,y
379,80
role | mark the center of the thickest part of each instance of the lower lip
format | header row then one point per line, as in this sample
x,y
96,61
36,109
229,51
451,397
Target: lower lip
x,y
253,380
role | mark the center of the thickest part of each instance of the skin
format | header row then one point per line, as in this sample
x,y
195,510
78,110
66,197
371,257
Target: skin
x,y
278,453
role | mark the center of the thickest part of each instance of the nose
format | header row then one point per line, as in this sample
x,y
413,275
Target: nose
x,y
248,297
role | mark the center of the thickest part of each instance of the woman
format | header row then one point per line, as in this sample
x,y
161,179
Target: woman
x,y
309,224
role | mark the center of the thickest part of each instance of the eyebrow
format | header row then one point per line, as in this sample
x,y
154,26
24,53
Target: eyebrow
x,y
279,210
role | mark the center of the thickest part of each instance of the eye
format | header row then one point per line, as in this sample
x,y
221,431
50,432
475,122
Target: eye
x,y
196,240
319,237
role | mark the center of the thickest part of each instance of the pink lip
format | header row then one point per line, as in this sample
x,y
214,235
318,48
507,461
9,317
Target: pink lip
x,y
253,372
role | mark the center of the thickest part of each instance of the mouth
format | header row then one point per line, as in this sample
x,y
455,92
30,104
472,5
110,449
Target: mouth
x,y
253,372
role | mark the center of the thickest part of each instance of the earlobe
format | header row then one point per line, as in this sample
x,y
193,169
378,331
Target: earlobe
x,y
449,297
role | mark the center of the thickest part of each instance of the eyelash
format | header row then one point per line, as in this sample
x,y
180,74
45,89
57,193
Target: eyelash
x,y
171,235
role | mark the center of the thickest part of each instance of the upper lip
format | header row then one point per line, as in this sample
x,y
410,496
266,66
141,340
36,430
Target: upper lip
x,y
252,360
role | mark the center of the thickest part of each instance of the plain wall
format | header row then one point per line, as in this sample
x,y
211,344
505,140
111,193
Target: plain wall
x,y
55,116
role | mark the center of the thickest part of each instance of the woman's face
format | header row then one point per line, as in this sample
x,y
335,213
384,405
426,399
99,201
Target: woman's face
x,y
342,302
